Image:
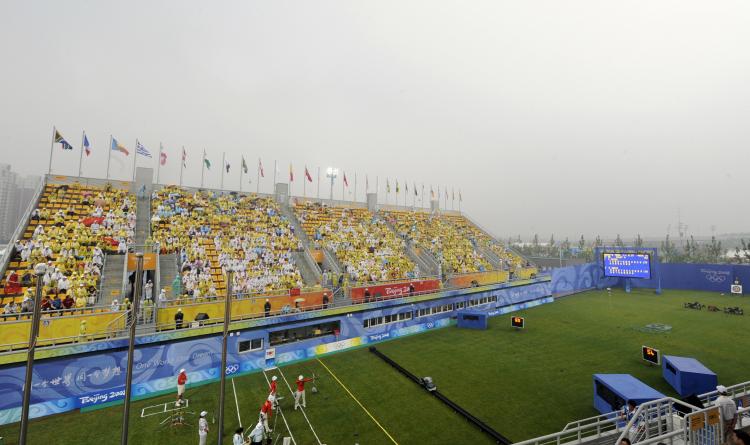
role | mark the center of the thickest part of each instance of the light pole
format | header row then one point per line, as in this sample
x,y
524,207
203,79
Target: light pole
x,y
138,285
332,172
223,369
39,270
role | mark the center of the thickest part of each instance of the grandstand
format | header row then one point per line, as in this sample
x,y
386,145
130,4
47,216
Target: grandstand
x,y
311,278
72,229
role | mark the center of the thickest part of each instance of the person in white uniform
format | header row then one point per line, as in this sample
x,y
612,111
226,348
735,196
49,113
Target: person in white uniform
x,y
237,439
202,428
256,435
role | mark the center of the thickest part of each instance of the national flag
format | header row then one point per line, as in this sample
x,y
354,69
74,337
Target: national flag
x,y
184,157
432,193
415,189
244,165
60,140
459,196
141,150
397,186
307,174
86,145
446,193
206,161
116,146
453,194
346,183
406,187
367,184
227,166
162,156
387,186
260,168
291,173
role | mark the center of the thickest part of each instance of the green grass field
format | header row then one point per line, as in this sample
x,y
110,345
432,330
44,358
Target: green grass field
x,y
523,384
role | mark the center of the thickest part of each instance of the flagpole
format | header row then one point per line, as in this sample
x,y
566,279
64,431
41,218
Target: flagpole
x,y
377,188
319,182
80,159
421,198
203,167
223,167
109,158
182,164
51,147
343,197
257,183
304,184
242,168
135,157
158,163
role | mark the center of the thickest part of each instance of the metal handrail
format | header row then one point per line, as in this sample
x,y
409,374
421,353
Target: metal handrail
x,y
100,285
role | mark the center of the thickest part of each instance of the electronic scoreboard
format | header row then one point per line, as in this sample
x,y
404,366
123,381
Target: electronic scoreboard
x,y
651,355
517,322
627,265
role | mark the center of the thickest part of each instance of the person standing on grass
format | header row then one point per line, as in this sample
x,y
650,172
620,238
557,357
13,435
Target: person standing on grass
x,y
237,439
182,379
728,409
202,428
300,394
256,435
272,386
266,411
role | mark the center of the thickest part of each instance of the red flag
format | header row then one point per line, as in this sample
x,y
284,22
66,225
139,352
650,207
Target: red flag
x,y
346,183
307,175
260,167
162,158
291,173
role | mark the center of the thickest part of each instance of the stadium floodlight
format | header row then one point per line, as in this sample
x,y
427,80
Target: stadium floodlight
x,y
332,172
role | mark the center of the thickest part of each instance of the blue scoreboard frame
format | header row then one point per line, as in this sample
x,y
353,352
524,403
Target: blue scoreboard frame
x,y
627,265
603,279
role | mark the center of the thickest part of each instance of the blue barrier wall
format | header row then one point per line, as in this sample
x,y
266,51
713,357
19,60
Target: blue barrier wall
x,y
98,377
699,277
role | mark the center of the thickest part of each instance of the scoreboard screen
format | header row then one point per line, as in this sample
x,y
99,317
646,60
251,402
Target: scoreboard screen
x,y
517,322
650,355
627,265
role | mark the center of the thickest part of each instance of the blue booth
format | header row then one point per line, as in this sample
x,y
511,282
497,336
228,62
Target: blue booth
x,y
688,376
613,391
472,319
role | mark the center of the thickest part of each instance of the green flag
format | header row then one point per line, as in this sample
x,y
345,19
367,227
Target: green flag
x,y
208,163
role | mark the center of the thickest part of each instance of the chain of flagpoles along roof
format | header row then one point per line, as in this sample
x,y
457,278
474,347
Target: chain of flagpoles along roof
x,y
403,194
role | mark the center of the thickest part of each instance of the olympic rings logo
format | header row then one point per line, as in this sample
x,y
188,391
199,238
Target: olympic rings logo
x,y
715,277
231,369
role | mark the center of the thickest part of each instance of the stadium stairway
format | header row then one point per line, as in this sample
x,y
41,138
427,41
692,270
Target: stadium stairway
x,y
427,265
311,274
329,261
143,220
167,273
490,256
112,276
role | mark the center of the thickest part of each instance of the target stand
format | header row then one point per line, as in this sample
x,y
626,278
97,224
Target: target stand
x,y
175,415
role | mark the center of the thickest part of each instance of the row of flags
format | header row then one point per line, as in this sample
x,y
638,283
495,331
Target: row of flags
x,y
141,149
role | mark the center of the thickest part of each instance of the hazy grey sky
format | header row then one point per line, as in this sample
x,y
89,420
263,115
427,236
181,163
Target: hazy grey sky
x,y
589,116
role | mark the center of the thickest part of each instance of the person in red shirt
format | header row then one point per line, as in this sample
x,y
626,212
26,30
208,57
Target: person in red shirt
x,y
300,394
266,411
272,387
182,379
